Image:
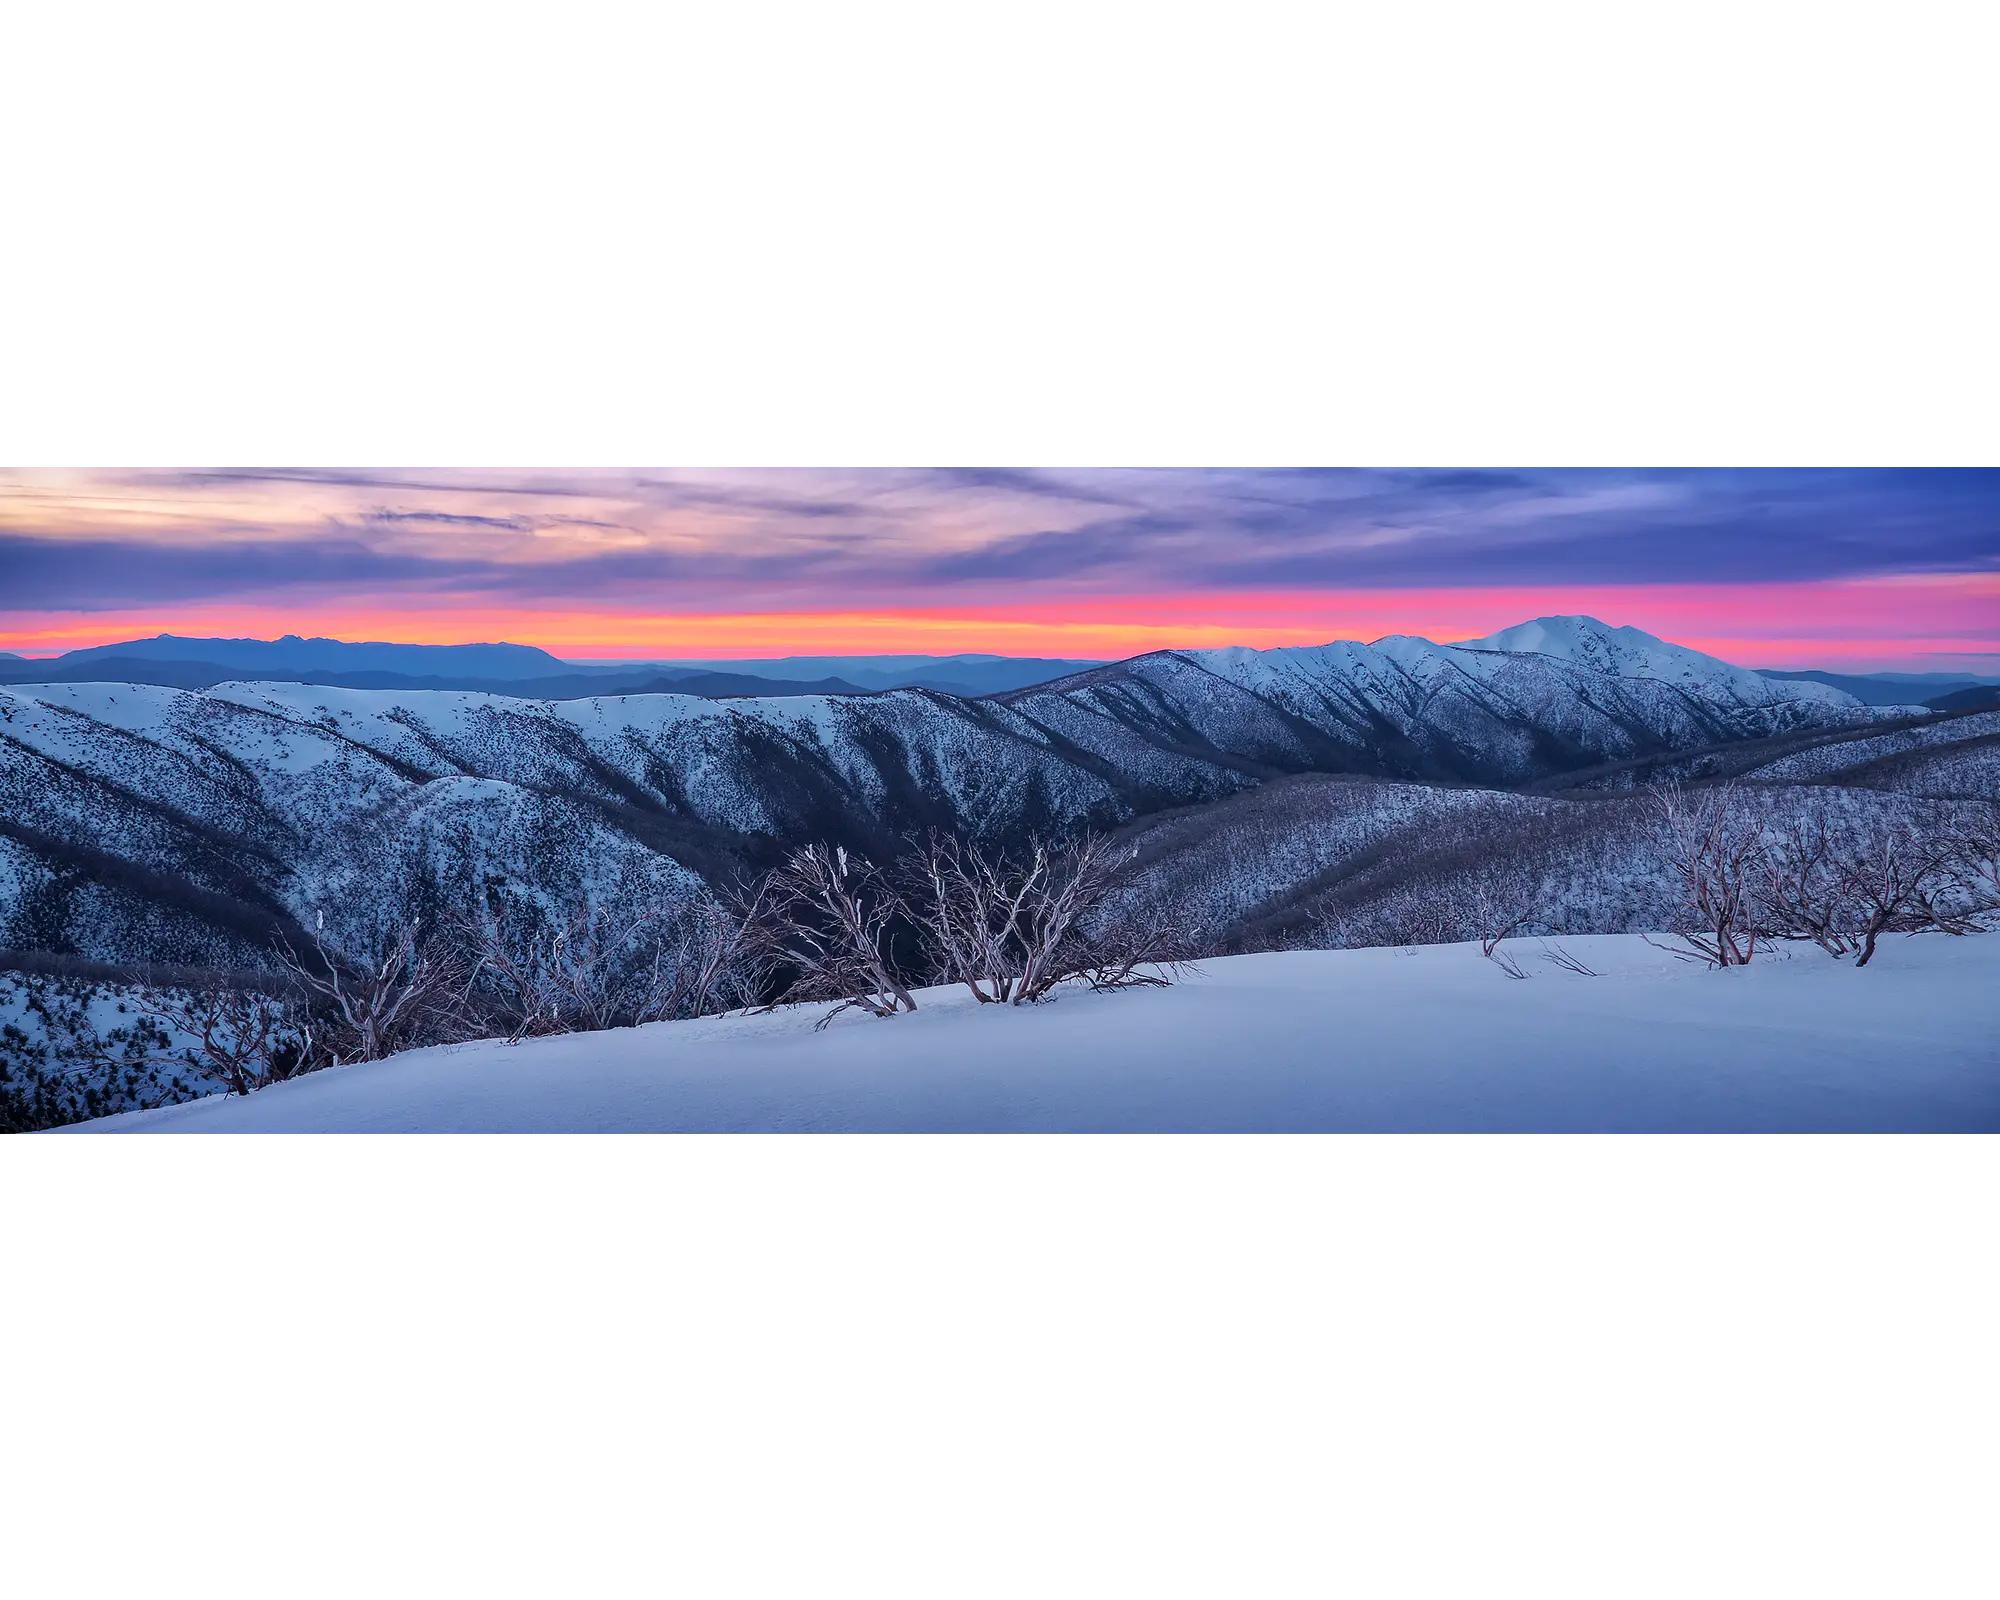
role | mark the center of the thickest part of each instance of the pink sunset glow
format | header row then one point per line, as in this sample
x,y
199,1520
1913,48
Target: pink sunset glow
x,y
1854,570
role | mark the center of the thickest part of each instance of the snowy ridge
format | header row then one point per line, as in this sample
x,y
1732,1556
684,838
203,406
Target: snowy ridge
x,y
147,823
1407,707
1634,653
1398,662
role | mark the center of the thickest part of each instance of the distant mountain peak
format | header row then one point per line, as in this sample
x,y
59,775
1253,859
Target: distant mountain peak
x,y
1622,651
293,653
1574,642
1556,634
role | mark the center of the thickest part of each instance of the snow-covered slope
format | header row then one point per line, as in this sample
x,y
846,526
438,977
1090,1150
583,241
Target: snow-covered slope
x,y
1634,653
147,823
1514,709
1319,861
1429,1039
1952,757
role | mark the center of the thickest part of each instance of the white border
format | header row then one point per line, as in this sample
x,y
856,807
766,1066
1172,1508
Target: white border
x,y
1079,234
1551,1366
1086,234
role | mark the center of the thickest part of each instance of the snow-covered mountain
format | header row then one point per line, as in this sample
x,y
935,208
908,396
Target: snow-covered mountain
x,y
1492,712
1634,653
139,822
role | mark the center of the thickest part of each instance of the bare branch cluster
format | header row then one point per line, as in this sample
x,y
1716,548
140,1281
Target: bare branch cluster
x,y
1975,841
1009,927
822,930
1802,890
598,968
1496,918
1844,892
241,1039
1714,846
1840,886
1567,959
1012,927
1431,919
372,1005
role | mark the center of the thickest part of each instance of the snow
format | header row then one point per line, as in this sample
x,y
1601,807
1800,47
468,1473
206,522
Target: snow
x,y
1433,1038
131,707
1832,759
634,714
1634,653
1614,691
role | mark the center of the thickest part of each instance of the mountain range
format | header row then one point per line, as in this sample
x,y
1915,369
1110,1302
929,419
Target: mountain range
x,y
256,657
142,823
184,663
1896,688
523,670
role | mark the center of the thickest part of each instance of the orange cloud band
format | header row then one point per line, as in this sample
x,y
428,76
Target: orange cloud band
x,y
1906,619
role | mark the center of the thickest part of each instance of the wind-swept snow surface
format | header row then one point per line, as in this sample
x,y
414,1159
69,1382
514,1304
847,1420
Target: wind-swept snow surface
x,y
1434,1038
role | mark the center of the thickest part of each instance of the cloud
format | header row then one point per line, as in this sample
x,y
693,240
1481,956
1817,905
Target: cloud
x,y
1336,530
539,485
1129,546
86,541
1019,480
78,575
670,492
455,519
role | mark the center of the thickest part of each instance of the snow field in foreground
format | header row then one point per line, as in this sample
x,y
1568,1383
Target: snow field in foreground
x,y
1433,1038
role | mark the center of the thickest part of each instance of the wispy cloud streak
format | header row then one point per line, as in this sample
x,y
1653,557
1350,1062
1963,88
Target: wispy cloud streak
x,y
676,542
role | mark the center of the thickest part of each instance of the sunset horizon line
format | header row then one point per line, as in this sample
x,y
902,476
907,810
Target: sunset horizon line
x,y
746,636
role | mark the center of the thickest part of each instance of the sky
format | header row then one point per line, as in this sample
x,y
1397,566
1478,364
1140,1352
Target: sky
x,y
1855,569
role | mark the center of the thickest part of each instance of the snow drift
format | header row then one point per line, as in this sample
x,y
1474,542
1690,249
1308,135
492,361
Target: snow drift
x,y
1432,1038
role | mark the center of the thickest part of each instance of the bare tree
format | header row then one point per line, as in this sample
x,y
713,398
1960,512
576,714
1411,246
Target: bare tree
x,y
1120,949
969,908
241,1039
1713,843
703,962
598,968
1062,884
1011,927
1894,882
1975,841
1496,918
224,1029
374,1003
822,930
1803,890
507,983
585,973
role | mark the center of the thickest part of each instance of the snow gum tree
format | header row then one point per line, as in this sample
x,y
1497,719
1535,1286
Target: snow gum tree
x,y
597,967
1010,928
1894,883
1712,841
374,1002
823,929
